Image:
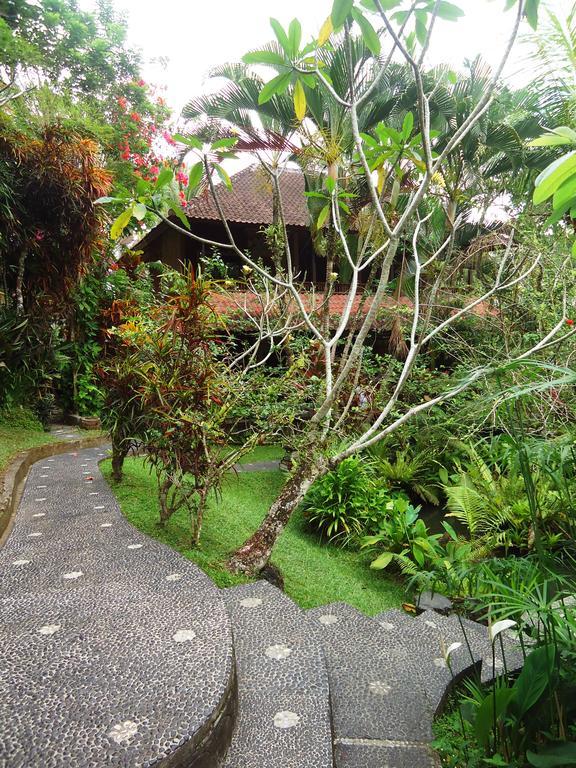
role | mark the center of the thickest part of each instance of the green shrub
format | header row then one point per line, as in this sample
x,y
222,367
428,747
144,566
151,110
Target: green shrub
x,y
346,502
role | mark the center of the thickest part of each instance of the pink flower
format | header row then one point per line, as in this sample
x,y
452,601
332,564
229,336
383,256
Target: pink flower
x,y
141,83
39,235
181,178
168,138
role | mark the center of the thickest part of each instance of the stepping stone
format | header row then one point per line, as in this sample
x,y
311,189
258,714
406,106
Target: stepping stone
x,y
385,686
474,638
356,754
283,698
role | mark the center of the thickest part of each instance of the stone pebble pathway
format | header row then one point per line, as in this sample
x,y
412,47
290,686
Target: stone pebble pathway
x,y
114,650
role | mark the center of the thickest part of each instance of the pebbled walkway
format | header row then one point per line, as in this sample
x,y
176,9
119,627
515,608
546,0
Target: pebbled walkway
x,y
114,651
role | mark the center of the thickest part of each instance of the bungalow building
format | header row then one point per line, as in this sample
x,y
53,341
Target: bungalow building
x,y
248,210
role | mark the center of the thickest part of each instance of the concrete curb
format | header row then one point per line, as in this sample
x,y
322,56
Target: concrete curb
x,y
12,479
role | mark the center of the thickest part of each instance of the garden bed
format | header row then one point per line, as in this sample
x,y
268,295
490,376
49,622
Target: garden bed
x,y
314,573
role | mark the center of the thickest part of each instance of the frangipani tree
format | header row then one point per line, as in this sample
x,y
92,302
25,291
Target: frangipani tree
x,y
392,30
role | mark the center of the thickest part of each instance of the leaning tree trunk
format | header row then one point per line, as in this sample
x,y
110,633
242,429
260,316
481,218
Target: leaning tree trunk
x,y
118,456
253,555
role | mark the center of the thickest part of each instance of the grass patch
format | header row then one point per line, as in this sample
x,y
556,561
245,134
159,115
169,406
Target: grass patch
x,y
314,573
20,430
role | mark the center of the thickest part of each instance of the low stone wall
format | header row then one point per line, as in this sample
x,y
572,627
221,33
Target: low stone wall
x,y
12,479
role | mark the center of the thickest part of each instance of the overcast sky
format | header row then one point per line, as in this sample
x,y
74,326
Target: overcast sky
x,y
198,34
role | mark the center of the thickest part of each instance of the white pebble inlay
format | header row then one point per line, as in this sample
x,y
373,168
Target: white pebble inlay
x,y
387,626
39,514
328,619
34,534
183,635
431,624
41,499
278,652
251,602
100,507
135,546
174,577
20,562
379,688
105,525
286,719
93,493
73,575
123,732
49,629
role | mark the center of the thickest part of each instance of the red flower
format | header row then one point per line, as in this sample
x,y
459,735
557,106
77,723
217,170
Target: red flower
x,y
141,83
125,155
39,235
154,170
181,178
135,116
569,321
122,103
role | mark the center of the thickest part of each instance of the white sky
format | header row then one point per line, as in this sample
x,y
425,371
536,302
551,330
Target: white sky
x,y
195,35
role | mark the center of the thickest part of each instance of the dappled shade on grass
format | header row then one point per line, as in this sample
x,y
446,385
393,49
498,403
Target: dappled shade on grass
x,y
314,573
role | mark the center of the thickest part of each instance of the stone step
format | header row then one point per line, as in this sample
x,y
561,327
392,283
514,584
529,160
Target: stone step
x,y
388,679
115,651
476,642
283,698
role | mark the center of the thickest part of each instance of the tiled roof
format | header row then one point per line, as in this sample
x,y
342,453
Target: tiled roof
x,y
250,199
229,303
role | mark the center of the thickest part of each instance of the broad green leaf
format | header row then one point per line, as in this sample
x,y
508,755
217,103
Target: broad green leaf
x,y
294,36
299,100
553,755
553,176
194,178
549,140
165,176
495,703
277,85
369,35
281,36
564,130
534,679
121,223
407,125
140,211
557,214
340,11
223,175
449,11
179,213
531,12
190,141
421,30
325,31
264,57
382,562
330,184
225,143
387,5
322,216
565,194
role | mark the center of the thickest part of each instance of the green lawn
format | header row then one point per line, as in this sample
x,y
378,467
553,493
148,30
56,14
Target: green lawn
x,y
19,430
314,573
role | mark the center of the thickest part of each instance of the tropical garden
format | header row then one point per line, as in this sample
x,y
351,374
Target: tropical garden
x,y
420,439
